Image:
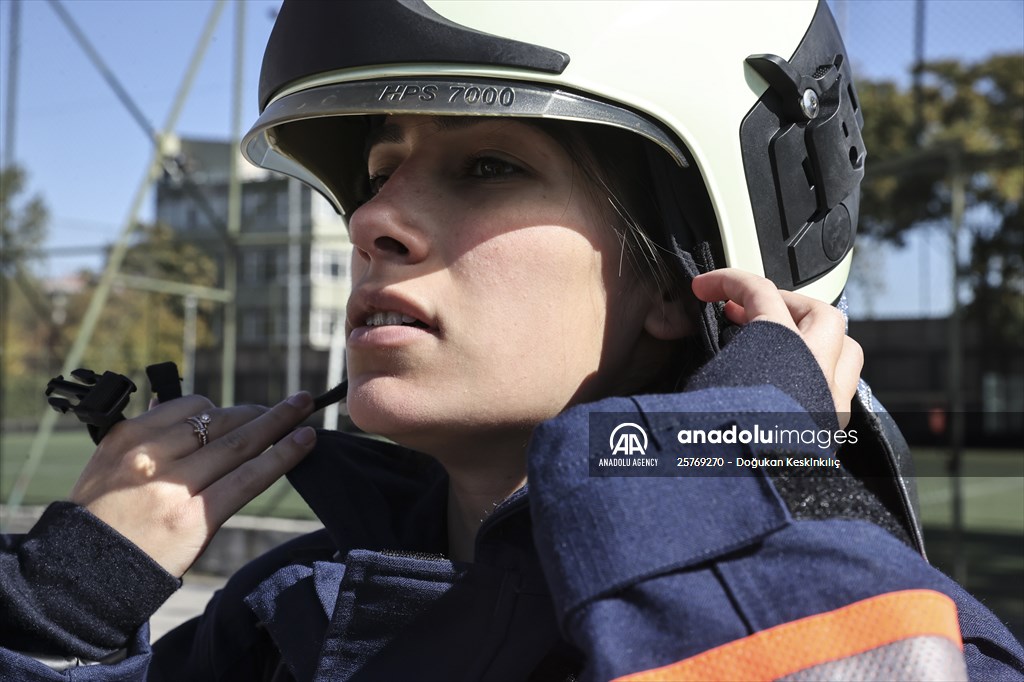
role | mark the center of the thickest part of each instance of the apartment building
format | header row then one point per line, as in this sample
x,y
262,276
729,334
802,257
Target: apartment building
x,y
292,258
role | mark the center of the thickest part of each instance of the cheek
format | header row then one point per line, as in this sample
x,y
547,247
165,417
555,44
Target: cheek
x,y
541,286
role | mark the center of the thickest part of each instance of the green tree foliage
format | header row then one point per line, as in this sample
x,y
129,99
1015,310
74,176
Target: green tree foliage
x,y
967,118
22,221
28,334
139,327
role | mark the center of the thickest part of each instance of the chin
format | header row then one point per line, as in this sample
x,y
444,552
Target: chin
x,y
397,410
376,409
424,420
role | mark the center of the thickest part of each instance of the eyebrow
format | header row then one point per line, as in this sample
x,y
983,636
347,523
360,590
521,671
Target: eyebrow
x,y
389,133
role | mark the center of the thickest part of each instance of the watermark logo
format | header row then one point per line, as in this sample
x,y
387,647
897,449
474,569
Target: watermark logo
x,y
629,440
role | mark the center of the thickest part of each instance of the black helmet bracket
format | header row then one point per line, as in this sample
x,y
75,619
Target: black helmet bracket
x,y
805,135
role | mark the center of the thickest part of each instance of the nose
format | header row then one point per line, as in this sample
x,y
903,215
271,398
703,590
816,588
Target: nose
x,y
389,228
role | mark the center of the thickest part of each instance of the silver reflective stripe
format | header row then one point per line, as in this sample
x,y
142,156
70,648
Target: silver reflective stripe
x,y
922,659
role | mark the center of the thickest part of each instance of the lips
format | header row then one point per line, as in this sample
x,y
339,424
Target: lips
x,y
380,309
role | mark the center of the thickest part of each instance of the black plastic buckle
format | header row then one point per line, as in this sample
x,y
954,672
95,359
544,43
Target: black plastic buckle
x,y
100,399
164,380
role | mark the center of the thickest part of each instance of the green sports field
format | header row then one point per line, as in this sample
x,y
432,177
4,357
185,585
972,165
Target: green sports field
x,y
991,548
67,452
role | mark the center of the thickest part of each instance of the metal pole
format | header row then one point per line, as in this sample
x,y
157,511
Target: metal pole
x,y
919,35
11,95
10,118
918,85
229,351
117,254
293,362
958,200
105,71
176,288
188,347
335,369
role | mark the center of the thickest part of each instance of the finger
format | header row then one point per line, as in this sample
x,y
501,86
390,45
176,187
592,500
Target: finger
x,y
807,311
237,446
822,327
759,297
735,313
228,494
150,425
174,411
847,376
186,436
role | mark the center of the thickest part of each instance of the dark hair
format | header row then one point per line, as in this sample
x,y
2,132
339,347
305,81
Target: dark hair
x,y
617,167
613,163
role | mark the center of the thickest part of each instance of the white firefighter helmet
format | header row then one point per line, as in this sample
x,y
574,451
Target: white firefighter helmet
x,y
755,99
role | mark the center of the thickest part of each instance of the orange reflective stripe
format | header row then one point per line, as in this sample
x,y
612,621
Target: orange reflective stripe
x,y
799,644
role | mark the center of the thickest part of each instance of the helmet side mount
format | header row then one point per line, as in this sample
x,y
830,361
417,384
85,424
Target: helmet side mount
x,y
804,154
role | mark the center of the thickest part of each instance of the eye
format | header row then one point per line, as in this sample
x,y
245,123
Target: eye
x,y
376,182
491,167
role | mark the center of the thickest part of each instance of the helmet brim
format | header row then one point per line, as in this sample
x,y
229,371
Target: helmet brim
x,y
317,134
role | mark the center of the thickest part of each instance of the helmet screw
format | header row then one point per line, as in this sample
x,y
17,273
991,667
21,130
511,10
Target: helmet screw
x,y
809,103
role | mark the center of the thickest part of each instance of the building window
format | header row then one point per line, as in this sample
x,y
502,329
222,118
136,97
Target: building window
x,y
250,203
280,265
254,326
322,323
279,325
322,209
281,206
328,265
254,266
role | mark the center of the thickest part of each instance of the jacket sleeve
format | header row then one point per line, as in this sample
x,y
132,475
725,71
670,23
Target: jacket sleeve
x,y
76,595
689,574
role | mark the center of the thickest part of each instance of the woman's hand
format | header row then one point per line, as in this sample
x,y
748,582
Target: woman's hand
x,y
151,480
750,297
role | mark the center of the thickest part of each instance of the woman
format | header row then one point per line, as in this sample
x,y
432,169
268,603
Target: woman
x,y
513,277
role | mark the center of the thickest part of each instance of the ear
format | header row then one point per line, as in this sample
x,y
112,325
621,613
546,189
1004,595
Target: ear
x,y
667,318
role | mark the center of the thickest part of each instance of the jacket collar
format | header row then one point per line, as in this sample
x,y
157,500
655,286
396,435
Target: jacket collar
x,y
371,494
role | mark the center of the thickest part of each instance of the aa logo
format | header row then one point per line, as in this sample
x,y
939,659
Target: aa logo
x,y
628,439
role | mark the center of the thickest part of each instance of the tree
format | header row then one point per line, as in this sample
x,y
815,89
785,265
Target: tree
x,y
28,335
138,328
969,119
22,222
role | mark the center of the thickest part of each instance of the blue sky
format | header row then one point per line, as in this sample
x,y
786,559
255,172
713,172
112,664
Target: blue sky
x,y
86,155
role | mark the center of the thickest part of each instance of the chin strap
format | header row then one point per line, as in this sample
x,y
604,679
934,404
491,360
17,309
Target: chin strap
x,y
335,395
713,328
870,416
899,486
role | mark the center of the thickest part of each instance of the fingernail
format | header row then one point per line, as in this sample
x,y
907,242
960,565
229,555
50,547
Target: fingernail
x,y
300,399
304,436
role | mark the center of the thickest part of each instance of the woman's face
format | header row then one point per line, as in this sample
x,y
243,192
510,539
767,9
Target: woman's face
x,y
488,292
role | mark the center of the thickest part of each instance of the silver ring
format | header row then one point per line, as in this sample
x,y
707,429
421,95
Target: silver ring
x,y
199,426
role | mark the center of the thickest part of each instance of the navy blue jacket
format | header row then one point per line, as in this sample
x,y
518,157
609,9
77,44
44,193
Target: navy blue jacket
x,y
655,577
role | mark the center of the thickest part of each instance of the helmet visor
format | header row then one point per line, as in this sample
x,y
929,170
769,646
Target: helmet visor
x,y
317,135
